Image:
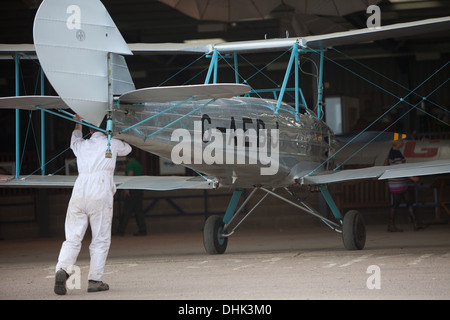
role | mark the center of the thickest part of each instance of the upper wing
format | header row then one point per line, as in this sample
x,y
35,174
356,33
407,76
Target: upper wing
x,y
315,42
372,34
383,172
157,183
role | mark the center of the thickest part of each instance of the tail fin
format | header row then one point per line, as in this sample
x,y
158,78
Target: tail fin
x,y
72,40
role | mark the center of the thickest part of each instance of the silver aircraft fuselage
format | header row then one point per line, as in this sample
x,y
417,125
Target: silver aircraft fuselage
x,y
240,141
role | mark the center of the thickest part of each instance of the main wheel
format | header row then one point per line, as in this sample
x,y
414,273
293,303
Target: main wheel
x,y
353,231
213,240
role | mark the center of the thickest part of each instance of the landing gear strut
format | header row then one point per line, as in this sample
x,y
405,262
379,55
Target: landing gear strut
x,y
215,234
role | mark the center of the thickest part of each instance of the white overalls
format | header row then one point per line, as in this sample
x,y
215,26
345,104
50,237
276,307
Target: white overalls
x,y
91,201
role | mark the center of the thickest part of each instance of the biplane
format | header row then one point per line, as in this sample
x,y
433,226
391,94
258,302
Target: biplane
x,y
233,140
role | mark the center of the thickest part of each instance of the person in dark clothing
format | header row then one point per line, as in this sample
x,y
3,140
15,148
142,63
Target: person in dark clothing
x,y
133,200
398,188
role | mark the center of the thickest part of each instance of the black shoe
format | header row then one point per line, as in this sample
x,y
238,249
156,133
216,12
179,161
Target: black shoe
x,y
95,286
140,234
60,282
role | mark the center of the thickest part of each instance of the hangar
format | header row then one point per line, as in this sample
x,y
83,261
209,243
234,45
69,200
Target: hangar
x,y
402,63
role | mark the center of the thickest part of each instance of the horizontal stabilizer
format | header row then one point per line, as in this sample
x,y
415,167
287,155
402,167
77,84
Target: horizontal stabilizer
x,y
382,172
31,102
156,183
181,93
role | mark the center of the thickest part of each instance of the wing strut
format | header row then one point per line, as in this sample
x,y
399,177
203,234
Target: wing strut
x,y
213,67
17,117
293,61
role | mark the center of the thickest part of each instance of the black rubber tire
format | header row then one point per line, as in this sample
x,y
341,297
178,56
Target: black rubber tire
x,y
353,231
212,240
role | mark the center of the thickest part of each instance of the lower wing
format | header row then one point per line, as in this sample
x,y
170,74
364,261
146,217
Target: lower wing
x,y
156,183
382,172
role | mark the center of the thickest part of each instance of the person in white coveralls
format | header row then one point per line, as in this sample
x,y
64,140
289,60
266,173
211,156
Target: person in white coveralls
x,y
91,203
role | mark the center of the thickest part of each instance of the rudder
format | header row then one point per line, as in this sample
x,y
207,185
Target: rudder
x,y
72,41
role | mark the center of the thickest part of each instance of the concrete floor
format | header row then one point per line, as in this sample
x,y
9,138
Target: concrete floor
x,y
288,264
